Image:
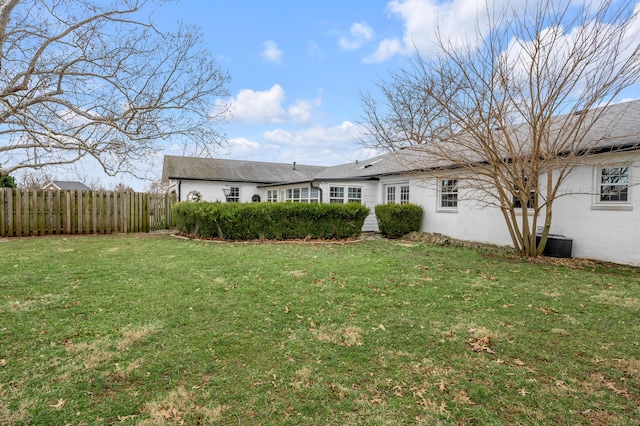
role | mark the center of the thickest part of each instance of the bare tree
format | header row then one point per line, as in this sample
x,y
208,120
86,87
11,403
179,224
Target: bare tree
x,y
34,179
156,187
515,109
122,187
92,78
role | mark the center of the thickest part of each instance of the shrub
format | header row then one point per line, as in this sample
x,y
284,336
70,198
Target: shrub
x,y
396,220
7,181
278,221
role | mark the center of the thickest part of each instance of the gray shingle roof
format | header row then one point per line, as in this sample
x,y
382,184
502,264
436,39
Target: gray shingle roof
x,y
619,126
69,185
387,164
217,169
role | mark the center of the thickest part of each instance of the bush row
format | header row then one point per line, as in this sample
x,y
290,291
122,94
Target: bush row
x,y
274,221
396,220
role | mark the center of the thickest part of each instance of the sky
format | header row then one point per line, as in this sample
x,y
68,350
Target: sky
x,y
298,68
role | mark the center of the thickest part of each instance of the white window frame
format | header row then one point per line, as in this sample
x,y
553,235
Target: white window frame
x,y
301,194
234,194
396,193
600,202
390,194
336,194
448,195
354,194
272,196
343,194
405,194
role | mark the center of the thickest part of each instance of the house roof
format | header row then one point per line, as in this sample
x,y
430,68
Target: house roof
x,y
68,185
615,127
216,169
387,164
618,127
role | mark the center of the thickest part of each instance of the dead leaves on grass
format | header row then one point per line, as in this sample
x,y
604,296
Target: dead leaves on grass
x,y
481,344
59,405
181,407
345,335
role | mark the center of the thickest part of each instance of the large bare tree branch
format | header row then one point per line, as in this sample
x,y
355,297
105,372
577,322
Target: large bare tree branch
x,y
89,78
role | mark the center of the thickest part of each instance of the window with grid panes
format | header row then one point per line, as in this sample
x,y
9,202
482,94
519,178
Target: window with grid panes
x,y
336,194
404,194
354,195
614,184
234,194
449,193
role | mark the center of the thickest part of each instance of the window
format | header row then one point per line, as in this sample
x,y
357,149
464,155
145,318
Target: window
x,y
391,194
396,193
315,195
449,194
272,196
234,195
614,184
302,195
404,194
532,195
336,194
355,195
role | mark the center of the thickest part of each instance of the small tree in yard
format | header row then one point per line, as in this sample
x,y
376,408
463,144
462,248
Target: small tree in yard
x,y
513,109
93,78
7,181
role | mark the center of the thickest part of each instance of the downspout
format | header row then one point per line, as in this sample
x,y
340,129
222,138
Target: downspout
x,y
179,190
319,190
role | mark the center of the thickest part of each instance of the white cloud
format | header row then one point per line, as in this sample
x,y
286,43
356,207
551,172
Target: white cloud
x,y
320,137
271,52
242,145
251,106
360,33
386,49
456,20
589,66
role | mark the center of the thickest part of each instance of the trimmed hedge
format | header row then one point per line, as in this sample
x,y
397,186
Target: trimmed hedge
x,y
272,221
396,220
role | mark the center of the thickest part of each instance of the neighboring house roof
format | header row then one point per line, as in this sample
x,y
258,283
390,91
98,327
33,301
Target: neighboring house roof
x,y
67,185
216,169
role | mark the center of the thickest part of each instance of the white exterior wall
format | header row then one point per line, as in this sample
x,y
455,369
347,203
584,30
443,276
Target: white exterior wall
x,y
212,191
470,221
603,231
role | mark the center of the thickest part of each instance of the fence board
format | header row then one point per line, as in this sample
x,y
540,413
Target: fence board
x,y
3,209
45,212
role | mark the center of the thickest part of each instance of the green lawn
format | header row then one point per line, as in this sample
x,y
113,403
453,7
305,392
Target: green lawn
x,y
145,329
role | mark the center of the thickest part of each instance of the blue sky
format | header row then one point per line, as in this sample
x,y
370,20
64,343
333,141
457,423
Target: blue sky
x,y
297,67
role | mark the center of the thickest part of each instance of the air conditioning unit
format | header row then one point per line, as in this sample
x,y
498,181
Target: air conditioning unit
x,y
557,246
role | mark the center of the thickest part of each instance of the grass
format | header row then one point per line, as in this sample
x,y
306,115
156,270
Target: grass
x,y
145,329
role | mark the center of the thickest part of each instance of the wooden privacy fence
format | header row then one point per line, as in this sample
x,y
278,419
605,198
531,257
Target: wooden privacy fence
x,y
45,212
